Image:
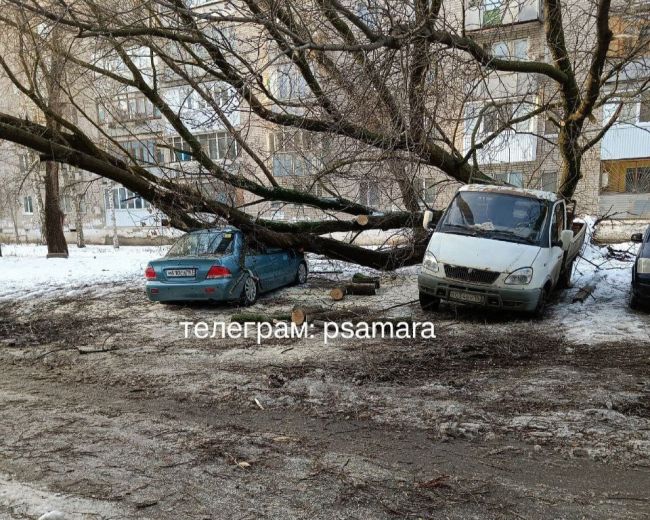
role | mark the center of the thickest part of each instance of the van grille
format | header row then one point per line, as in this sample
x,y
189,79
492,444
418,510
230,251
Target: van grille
x,y
467,274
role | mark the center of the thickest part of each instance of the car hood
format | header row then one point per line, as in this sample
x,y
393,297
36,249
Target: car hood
x,y
482,253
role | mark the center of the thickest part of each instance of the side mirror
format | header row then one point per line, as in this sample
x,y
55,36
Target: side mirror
x,y
428,217
637,237
565,238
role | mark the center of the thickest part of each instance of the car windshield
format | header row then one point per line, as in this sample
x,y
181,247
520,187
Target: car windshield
x,y
202,243
500,216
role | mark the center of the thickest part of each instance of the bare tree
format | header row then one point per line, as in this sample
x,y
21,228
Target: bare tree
x,y
360,97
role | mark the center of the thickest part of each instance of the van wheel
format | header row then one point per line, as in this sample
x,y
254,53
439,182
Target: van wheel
x,y
249,292
540,309
428,302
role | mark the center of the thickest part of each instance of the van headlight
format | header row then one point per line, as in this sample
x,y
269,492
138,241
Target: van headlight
x,y
430,263
521,276
642,265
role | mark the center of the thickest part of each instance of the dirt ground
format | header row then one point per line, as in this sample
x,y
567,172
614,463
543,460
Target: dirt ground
x,y
108,412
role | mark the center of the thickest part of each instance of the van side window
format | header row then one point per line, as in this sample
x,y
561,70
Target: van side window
x,y
558,222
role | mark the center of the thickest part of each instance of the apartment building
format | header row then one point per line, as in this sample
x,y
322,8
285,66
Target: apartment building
x,y
616,171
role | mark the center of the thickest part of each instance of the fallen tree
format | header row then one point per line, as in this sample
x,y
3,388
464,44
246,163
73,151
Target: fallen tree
x,y
366,88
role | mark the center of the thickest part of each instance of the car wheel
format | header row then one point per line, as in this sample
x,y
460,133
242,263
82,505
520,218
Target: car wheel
x,y
428,302
249,292
301,274
540,308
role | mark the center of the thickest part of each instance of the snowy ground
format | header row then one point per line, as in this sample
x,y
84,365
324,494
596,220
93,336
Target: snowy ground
x,y
108,412
26,274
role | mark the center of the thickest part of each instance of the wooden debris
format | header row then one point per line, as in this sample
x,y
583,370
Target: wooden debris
x,y
317,316
300,315
362,278
584,293
362,220
359,289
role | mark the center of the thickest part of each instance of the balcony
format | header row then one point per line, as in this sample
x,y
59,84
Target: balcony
x,y
507,148
483,14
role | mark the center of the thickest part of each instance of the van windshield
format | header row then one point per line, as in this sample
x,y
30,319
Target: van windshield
x,y
499,216
202,243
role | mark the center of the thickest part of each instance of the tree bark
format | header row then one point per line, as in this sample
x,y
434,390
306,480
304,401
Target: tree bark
x,y
79,221
57,247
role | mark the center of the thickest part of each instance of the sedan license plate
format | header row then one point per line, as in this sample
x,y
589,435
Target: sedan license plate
x,y
466,297
180,273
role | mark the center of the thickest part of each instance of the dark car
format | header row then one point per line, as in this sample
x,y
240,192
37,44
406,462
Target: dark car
x,y
641,271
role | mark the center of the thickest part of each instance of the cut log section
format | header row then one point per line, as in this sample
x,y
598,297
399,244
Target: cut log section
x,y
362,278
362,220
319,315
300,315
358,289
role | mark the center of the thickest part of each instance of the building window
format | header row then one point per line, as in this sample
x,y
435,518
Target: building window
x,y
292,164
369,193
217,145
548,181
495,118
126,199
628,113
28,205
637,180
288,83
367,14
144,151
512,178
491,12
513,49
550,128
127,107
291,153
428,191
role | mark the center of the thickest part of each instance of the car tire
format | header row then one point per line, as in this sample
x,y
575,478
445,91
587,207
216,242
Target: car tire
x,y
250,292
634,302
301,274
540,308
428,302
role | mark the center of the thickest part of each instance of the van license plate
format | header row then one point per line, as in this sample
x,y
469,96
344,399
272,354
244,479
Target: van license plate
x,y
467,297
180,273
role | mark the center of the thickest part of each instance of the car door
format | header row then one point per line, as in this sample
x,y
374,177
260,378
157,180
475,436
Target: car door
x,y
282,267
257,260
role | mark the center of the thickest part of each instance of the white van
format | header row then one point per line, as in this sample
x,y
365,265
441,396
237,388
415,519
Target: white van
x,y
501,247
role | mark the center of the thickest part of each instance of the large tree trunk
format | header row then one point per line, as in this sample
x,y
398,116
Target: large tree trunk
x,y
57,247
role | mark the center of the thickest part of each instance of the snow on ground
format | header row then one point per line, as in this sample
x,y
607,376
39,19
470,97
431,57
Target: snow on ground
x,y
25,272
605,315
